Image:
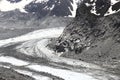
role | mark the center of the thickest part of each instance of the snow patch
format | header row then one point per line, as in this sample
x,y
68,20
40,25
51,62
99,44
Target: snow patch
x,y
40,1
7,6
110,11
74,5
114,1
49,8
52,7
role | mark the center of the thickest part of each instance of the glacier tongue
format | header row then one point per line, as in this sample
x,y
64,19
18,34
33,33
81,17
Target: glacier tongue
x,y
36,43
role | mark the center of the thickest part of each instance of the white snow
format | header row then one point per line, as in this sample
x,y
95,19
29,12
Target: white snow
x,y
91,0
52,7
65,74
40,1
13,61
74,5
49,8
35,76
110,11
114,1
93,10
7,6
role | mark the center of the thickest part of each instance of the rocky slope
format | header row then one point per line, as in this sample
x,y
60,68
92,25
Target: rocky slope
x,y
91,37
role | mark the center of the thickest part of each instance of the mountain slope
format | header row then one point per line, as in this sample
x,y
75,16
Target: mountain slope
x,y
41,8
93,38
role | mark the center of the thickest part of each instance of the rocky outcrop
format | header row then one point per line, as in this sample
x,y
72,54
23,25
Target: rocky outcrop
x,y
92,35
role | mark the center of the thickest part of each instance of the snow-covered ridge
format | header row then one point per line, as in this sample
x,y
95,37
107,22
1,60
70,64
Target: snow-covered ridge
x,y
105,6
6,5
41,6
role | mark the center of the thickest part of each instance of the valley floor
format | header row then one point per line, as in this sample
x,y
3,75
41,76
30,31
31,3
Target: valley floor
x,y
27,57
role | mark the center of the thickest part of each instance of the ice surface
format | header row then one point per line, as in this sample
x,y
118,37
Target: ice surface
x,y
13,61
39,34
65,74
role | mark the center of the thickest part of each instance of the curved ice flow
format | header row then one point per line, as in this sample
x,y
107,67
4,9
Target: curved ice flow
x,y
38,48
62,73
35,42
35,45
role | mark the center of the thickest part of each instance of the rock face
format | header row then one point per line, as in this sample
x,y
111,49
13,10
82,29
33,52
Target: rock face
x,y
92,36
52,7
